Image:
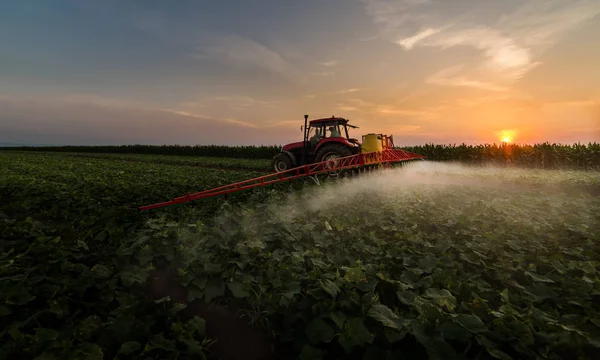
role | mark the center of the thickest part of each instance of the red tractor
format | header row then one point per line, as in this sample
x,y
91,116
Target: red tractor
x,y
324,139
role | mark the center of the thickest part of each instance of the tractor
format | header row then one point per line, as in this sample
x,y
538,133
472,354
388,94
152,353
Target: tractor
x,y
327,148
324,139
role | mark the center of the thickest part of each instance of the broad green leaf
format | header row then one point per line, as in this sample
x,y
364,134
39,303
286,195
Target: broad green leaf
x,y
406,297
198,325
538,278
442,297
319,331
437,348
540,292
355,334
129,347
471,322
385,316
331,287
451,330
100,271
492,348
339,318
239,290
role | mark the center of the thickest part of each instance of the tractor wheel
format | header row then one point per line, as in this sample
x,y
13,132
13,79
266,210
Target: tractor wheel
x,y
332,152
282,162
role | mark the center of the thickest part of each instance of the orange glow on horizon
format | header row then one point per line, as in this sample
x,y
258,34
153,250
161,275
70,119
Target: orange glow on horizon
x,y
506,136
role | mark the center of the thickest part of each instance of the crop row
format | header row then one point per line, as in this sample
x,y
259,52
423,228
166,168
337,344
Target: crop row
x,y
545,155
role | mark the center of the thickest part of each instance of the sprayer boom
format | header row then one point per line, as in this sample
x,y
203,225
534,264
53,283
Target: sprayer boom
x,y
382,158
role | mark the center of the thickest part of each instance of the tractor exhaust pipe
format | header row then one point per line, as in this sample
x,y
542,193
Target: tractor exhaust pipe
x,y
305,140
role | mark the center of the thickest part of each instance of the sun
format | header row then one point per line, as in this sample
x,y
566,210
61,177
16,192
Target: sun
x,y
506,136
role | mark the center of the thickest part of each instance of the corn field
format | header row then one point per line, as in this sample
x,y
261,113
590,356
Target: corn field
x,y
540,156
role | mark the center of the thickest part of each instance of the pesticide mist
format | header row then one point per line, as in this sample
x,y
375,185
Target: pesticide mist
x,y
427,194
426,204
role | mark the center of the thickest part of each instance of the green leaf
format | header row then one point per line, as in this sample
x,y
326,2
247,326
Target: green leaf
x,y
471,322
331,287
406,297
492,348
239,290
100,271
538,278
355,334
453,331
540,292
339,318
198,325
442,297
385,316
129,347
319,331
354,275
437,348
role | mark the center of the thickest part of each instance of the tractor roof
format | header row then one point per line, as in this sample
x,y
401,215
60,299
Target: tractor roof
x,y
329,119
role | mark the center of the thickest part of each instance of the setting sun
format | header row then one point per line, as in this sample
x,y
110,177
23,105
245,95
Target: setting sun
x,y
506,136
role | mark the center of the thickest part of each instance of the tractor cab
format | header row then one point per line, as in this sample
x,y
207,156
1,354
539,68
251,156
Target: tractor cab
x,y
328,128
324,139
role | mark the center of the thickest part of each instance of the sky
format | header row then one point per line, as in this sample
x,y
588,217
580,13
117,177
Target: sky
x,y
245,72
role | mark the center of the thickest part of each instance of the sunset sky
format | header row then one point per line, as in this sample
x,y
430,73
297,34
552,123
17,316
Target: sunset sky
x,y
245,72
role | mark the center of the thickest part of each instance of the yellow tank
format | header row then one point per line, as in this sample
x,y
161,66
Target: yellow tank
x,y
371,143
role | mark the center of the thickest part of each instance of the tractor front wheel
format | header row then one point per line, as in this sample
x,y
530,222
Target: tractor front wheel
x,y
332,153
282,162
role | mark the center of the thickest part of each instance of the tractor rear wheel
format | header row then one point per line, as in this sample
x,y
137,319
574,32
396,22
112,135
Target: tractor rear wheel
x,y
332,152
282,162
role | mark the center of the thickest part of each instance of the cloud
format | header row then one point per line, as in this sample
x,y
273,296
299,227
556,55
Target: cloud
x,y
390,15
206,118
409,42
61,121
242,51
330,63
343,107
573,103
509,45
244,101
449,77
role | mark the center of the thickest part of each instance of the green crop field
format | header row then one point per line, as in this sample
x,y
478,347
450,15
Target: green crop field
x,y
430,260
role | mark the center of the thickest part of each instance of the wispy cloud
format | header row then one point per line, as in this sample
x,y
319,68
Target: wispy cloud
x,y
409,42
244,101
510,45
242,51
450,77
207,118
343,107
345,91
390,15
330,63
